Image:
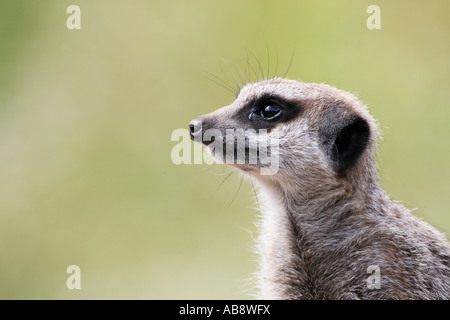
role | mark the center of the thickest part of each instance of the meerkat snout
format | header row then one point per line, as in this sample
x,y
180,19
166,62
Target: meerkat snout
x,y
325,219
195,128
325,127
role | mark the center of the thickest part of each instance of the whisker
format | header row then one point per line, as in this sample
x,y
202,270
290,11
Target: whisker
x,y
247,72
225,179
259,66
251,67
290,63
268,60
243,79
233,74
276,65
239,188
212,77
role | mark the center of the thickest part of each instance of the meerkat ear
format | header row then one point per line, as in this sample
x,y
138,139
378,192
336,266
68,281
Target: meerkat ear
x,y
349,142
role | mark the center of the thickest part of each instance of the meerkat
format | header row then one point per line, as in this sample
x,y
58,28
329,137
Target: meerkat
x,y
325,219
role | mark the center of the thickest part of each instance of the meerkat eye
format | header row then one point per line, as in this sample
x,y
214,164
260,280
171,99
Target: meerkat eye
x,y
270,112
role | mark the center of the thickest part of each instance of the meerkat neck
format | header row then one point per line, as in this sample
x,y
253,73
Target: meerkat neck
x,y
294,226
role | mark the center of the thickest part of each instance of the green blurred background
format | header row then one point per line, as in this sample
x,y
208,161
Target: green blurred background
x,y
86,118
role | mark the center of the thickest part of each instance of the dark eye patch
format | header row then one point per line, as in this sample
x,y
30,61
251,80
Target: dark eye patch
x,y
267,111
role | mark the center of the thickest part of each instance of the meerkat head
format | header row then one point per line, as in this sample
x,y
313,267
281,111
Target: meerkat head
x,y
312,134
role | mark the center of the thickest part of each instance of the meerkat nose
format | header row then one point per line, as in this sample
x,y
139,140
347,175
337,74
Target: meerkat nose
x,y
195,127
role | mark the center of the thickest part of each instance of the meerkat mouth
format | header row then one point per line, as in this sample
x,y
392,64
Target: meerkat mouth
x,y
248,150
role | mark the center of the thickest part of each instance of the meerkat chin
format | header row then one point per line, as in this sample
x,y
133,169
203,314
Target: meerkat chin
x,y
326,222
